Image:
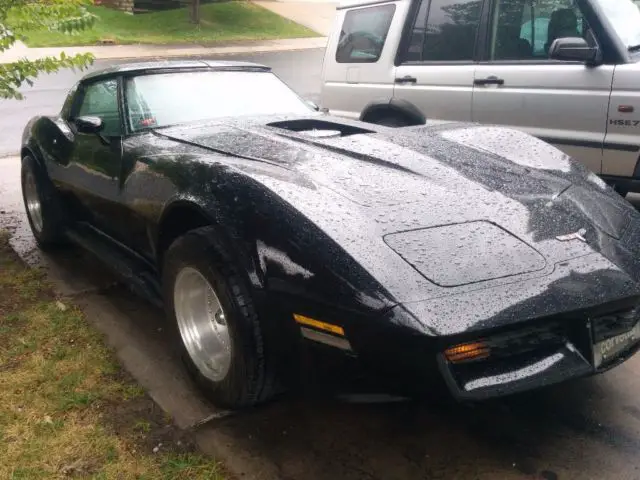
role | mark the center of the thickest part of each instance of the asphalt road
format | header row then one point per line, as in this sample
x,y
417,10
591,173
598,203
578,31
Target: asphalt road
x,y
585,429
301,70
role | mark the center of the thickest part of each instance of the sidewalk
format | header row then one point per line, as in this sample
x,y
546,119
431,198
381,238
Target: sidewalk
x,y
115,52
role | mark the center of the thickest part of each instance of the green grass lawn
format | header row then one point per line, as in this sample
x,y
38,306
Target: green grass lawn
x,y
221,22
67,409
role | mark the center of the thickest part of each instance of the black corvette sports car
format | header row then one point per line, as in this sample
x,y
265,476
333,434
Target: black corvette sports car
x,y
475,254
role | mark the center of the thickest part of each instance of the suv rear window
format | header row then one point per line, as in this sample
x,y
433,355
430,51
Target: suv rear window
x,y
444,30
363,34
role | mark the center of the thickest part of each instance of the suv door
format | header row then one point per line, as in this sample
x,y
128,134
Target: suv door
x,y
358,64
562,102
436,63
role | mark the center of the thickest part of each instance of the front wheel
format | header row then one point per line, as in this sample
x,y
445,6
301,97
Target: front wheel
x,y
42,205
216,324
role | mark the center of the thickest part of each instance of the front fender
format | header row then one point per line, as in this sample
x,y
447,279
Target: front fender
x,y
29,144
47,139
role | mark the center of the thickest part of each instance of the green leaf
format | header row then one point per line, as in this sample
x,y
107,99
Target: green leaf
x,y
14,75
19,16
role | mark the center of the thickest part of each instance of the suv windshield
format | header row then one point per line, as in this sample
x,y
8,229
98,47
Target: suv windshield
x,y
160,100
624,15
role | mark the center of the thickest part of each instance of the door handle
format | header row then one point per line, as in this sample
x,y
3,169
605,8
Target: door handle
x,y
407,79
492,80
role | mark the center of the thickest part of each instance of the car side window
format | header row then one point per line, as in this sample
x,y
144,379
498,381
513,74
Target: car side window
x,y
364,33
138,112
525,29
100,99
444,30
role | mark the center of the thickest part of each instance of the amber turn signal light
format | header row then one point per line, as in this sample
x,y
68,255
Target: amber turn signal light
x,y
467,351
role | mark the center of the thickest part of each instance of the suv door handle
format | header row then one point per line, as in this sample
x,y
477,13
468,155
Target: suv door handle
x,y
407,79
492,80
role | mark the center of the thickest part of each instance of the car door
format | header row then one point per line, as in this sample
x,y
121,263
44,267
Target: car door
x,y
436,64
562,102
95,159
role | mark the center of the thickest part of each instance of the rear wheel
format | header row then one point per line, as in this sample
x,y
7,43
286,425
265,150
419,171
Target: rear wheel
x,y
621,190
217,327
618,188
42,205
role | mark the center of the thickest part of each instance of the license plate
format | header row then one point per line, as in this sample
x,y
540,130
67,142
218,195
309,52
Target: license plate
x,y
610,348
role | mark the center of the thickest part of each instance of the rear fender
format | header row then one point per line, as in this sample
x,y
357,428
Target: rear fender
x,y
395,106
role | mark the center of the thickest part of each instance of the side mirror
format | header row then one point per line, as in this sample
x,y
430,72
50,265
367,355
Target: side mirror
x,y
89,124
573,49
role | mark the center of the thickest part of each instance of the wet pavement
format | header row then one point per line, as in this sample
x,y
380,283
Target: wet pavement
x,y
585,429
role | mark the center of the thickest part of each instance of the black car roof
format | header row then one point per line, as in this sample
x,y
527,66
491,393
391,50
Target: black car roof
x,y
174,65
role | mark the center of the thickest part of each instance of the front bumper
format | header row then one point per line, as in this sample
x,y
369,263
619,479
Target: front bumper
x,y
581,347
521,357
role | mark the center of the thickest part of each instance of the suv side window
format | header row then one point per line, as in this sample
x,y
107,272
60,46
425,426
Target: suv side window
x,y
525,29
363,34
101,100
444,30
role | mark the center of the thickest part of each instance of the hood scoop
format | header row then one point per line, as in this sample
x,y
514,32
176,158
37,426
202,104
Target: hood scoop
x,y
464,253
315,128
230,140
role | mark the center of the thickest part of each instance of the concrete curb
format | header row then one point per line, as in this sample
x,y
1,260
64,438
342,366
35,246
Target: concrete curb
x,y
120,52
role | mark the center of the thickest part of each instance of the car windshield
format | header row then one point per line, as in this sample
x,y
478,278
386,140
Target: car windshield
x,y
624,15
160,100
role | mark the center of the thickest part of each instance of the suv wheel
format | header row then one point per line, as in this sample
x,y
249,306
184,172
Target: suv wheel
x,y
621,190
391,121
217,328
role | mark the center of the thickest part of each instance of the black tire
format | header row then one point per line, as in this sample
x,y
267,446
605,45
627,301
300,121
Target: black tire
x,y
251,378
51,232
392,121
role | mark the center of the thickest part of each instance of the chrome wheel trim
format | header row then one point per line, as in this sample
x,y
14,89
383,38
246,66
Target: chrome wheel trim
x,y
32,201
202,324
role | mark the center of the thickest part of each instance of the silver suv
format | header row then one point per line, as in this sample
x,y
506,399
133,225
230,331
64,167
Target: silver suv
x,y
565,71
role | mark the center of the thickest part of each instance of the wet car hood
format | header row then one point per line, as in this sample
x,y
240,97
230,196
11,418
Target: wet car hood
x,y
494,200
